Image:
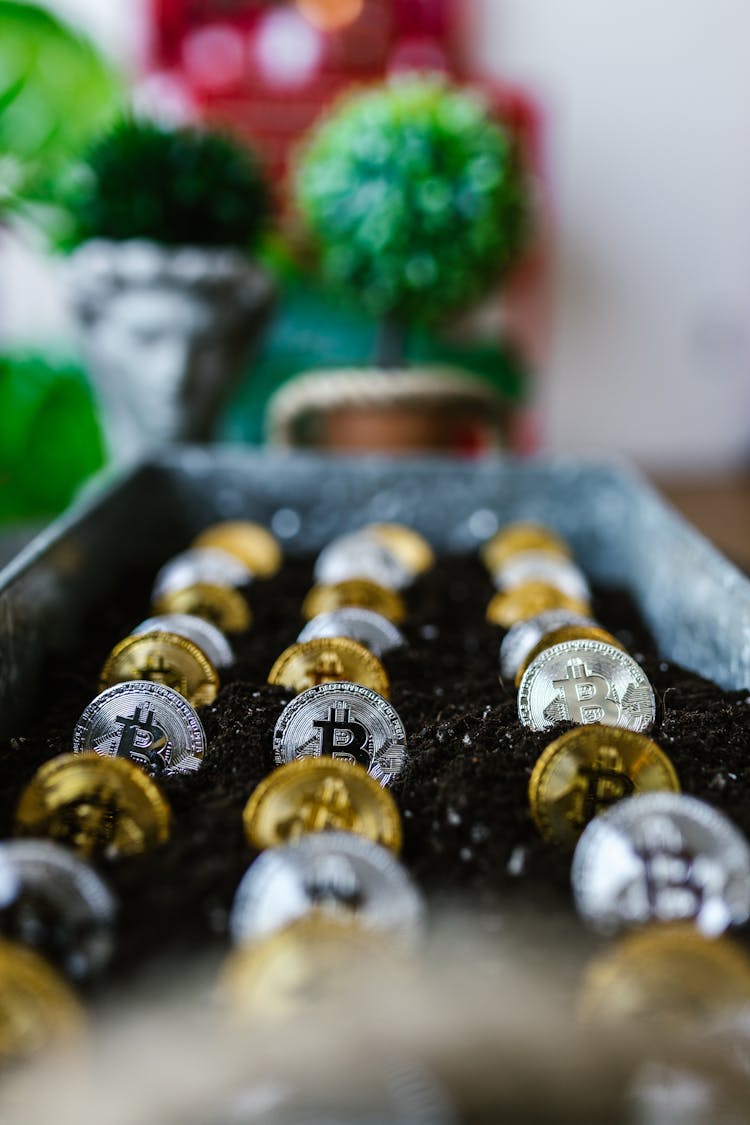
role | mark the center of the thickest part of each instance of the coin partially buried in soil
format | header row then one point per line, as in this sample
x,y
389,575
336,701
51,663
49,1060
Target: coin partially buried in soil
x,y
330,873
95,805
325,660
319,795
149,723
163,658
345,721
662,857
585,681
587,770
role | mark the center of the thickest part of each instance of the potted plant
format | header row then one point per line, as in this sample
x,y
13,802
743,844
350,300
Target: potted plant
x,y
168,298
416,201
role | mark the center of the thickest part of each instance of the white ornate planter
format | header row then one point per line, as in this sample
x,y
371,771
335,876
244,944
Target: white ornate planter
x,y
166,332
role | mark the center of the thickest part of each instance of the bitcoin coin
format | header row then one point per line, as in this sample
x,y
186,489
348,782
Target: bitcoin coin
x,y
585,682
508,607
302,967
147,722
357,592
522,536
251,543
335,874
671,978
223,606
345,721
662,857
538,566
37,1008
54,902
327,660
200,564
560,635
371,629
97,806
522,637
410,548
585,771
202,633
163,658
320,795
359,555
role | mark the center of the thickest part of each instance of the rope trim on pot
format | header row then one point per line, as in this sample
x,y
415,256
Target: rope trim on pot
x,y
320,392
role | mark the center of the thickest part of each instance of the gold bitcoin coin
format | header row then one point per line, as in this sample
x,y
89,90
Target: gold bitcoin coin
x,y
586,770
37,1008
224,606
566,633
163,658
251,543
96,805
327,660
671,978
309,964
521,536
355,591
319,795
410,548
507,607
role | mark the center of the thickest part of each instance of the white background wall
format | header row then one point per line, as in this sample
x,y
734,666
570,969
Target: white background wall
x,y
649,155
648,105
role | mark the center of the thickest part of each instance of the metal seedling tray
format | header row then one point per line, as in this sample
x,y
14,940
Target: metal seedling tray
x,y
696,603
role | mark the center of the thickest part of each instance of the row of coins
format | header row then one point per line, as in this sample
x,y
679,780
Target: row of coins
x,y
566,667
644,852
328,829
99,802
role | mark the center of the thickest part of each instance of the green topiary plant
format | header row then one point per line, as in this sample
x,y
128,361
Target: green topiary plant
x,y
174,186
416,199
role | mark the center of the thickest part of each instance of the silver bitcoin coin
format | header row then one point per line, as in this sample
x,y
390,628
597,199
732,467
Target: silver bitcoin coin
x,y
204,634
211,565
541,566
522,637
359,555
336,873
148,722
585,681
348,721
662,857
55,903
364,625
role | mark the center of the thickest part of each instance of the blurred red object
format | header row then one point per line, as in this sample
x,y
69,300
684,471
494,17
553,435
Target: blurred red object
x,y
266,68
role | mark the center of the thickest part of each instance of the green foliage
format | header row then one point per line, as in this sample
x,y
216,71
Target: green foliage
x,y
55,92
49,436
415,196
175,186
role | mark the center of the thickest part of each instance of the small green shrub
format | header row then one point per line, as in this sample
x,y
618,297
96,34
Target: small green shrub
x,y
415,197
175,186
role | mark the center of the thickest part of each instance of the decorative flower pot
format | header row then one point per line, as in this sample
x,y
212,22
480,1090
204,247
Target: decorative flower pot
x,y
374,410
166,332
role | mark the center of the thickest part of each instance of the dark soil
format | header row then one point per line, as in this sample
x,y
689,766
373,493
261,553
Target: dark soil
x,y
466,823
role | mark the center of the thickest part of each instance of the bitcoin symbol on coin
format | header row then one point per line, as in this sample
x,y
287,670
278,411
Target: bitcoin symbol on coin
x,y
88,824
327,669
672,889
141,737
333,883
328,808
587,695
343,737
605,782
159,671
